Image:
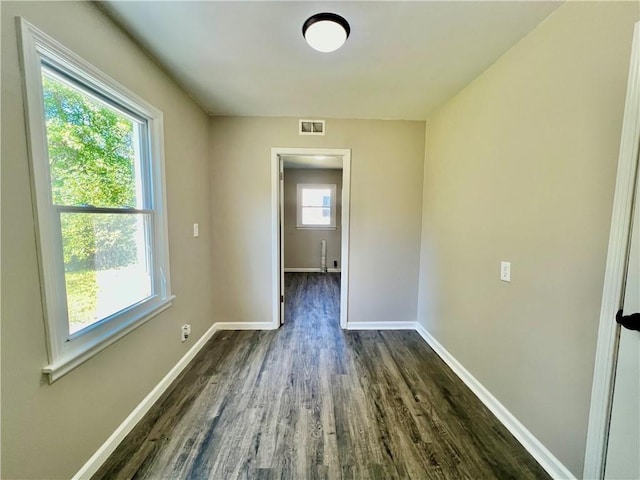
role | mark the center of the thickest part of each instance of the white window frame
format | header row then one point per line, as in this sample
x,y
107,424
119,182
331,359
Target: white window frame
x,y
299,206
66,351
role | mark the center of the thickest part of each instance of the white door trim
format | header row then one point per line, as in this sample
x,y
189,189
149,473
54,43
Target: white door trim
x,y
281,236
612,296
275,223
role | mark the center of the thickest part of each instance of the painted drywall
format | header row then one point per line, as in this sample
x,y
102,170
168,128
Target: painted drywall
x,y
520,166
49,431
386,192
302,248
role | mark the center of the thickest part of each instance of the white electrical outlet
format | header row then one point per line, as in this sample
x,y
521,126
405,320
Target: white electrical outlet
x,y
185,331
505,271
196,230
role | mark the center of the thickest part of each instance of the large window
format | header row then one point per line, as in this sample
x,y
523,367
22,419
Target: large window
x,y
98,176
316,206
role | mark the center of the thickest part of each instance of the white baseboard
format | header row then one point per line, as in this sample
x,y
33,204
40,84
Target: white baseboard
x,y
97,459
243,326
381,325
543,456
310,270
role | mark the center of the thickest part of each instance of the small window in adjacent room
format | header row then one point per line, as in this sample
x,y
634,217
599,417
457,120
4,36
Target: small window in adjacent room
x,y
98,176
316,206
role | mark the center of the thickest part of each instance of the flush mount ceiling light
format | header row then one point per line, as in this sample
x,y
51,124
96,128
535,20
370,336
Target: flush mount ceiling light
x,y
326,32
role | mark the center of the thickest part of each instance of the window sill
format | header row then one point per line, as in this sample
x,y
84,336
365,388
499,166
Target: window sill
x,y
58,369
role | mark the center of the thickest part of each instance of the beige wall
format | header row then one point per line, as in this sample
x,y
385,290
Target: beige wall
x,y
520,166
302,247
49,431
386,192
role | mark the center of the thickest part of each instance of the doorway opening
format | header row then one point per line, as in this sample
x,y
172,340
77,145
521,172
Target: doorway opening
x,y
310,222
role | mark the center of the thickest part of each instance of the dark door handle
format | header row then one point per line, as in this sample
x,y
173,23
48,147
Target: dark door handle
x,y
632,322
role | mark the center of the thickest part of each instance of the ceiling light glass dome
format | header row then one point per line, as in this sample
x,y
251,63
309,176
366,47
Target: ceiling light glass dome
x,y
326,32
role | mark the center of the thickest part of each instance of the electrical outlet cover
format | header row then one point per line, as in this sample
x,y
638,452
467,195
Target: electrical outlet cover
x,y
185,331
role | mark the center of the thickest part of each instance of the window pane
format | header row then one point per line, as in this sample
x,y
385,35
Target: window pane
x,y
316,216
93,148
106,267
316,197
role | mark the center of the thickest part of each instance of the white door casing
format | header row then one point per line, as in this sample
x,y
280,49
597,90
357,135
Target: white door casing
x,y
281,238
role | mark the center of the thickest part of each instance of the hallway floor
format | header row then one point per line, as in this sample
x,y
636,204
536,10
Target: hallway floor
x,y
313,401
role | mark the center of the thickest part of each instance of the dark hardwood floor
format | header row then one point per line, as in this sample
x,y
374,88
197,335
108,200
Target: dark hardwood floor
x,y
312,401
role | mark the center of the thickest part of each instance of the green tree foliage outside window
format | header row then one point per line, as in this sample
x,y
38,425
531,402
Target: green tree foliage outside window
x,y
92,163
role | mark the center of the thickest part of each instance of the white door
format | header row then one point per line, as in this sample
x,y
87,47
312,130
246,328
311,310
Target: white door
x,y
613,438
623,450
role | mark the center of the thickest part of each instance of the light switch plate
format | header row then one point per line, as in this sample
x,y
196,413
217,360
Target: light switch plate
x,y
505,271
196,231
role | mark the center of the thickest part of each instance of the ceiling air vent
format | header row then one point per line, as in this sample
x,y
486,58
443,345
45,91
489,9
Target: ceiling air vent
x,y
311,127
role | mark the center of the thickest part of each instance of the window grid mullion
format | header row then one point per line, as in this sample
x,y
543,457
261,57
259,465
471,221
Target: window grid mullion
x,y
92,209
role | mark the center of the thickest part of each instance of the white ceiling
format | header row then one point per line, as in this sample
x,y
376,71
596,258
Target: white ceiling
x,y
401,60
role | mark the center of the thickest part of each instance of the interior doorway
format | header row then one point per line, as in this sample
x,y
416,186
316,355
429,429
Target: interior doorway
x,y
317,213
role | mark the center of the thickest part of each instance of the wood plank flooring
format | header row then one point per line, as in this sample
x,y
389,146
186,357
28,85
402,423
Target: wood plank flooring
x,y
312,401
